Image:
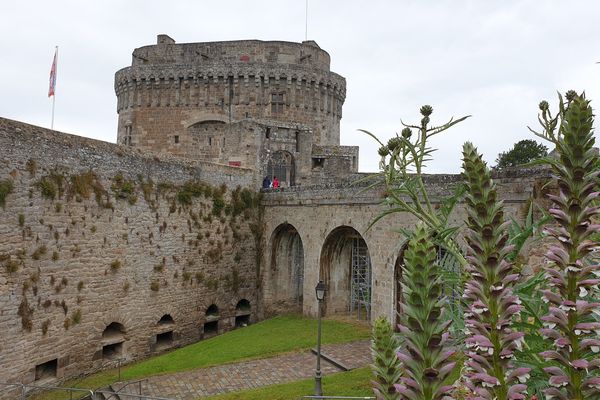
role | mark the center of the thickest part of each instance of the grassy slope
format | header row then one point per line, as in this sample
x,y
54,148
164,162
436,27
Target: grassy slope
x,y
353,383
264,339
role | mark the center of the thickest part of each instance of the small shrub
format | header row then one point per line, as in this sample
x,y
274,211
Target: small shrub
x,y
58,207
6,187
45,326
11,266
21,220
126,287
67,324
76,317
25,312
48,188
154,286
55,256
115,265
80,286
39,252
124,188
159,268
186,276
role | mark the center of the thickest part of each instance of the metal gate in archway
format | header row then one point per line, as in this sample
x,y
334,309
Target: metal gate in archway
x,y
281,164
360,280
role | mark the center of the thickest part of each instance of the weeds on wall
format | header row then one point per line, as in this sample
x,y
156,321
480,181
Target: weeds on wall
x,y
6,187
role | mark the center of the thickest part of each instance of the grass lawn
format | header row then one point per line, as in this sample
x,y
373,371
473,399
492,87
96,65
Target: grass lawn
x,y
352,383
264,339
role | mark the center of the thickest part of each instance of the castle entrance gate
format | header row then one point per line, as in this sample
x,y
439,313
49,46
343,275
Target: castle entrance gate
x,y
281,164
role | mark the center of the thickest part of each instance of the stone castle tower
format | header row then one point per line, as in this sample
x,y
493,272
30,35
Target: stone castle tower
x,y
274,107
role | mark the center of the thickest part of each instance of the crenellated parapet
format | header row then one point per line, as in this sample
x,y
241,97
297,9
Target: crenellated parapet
x,y
190,86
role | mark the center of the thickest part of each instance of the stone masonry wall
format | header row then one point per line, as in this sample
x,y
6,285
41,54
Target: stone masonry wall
x,y
94,234
318,212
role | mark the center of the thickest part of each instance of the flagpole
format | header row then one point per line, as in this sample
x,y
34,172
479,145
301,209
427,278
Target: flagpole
x,y
306,22
54,91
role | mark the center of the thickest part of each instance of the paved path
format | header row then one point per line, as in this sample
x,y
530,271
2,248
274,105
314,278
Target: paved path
x,y
191,385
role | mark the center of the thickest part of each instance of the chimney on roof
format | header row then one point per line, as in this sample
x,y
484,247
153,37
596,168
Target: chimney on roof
x,y
164,39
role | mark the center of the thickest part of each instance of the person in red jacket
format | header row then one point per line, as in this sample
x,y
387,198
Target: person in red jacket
x,y
275,182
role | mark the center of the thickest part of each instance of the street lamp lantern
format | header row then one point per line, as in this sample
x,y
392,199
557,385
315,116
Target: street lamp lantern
x,y
320,292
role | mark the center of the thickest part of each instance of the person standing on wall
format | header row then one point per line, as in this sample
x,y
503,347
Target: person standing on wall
x,y
266,183
275,182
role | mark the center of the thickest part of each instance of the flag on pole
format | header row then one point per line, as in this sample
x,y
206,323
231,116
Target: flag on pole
x,y
52,86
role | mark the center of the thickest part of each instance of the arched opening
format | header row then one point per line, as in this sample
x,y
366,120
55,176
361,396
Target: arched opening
x,y
114,330
166,320
113,338
211,318
281,165
345,267
287,267
242,313
164,338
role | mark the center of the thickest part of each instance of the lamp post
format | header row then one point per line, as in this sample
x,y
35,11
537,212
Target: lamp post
x,y
320,292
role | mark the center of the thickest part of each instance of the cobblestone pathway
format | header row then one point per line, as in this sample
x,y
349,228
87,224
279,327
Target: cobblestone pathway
x,y
192,385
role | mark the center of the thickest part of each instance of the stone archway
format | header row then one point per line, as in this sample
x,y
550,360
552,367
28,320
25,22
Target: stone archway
x,y
345,267
282,165
287,268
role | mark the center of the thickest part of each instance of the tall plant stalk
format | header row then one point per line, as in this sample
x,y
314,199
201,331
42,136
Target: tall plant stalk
x,y
491,340
403,160
570,323
386,365
425,352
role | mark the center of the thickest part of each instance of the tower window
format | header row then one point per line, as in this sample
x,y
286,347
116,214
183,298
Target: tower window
x,y
277,103
127,138
176,137
268,133
210,141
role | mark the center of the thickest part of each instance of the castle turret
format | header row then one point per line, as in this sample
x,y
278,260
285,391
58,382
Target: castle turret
x,y
173,90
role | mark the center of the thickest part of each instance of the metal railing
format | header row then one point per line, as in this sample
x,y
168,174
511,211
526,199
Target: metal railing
x,y
25,389
71,391
126,396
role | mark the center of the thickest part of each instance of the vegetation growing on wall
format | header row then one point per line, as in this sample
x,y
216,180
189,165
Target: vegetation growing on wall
x,y
6,186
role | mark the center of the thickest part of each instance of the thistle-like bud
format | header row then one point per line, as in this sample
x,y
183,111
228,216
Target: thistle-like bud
x,y
544,105
424,121
426,110
383,151
570,95
406,133
425,352
570,322
394,143
386,365
491,341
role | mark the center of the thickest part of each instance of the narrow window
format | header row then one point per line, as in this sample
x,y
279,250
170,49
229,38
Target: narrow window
x,y
277,103
176,138
268,133
210,141
297,142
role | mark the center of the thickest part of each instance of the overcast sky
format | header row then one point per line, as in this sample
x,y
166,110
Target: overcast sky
x,y
494,60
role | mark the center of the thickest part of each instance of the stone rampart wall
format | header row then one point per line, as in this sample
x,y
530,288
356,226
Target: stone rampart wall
x,y
94,234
